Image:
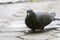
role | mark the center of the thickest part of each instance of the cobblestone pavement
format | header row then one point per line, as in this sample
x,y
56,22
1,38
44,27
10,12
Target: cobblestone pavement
x,y
12,26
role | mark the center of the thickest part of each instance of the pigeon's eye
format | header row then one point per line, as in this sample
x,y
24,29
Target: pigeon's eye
x,y
28,12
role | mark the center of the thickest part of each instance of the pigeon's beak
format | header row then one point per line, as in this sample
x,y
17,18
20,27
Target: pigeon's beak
x,y
27,12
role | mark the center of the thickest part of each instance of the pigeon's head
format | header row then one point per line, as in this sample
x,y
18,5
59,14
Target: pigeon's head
x,y
29,11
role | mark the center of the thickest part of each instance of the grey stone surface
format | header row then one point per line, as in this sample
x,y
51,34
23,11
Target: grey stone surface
x,y
12,26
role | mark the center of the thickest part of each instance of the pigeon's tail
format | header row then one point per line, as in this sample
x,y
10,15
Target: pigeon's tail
x,y
57,19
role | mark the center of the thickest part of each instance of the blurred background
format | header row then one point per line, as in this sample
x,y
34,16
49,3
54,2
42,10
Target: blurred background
x,y
26,0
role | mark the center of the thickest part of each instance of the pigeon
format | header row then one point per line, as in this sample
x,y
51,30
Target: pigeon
x,y
38,20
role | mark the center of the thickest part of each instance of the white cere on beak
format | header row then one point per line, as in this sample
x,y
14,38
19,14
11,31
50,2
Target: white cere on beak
x,y
28,14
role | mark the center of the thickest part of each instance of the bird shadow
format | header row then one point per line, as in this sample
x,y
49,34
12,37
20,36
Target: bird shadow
x,y
44,31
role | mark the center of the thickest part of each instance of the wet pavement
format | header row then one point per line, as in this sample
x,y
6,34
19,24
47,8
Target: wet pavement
x,y
12,25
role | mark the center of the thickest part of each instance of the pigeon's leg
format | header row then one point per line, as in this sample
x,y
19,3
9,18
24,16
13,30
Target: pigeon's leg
x,y
42,29
33,30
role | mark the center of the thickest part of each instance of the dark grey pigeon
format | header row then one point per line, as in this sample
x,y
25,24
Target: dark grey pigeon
x,y
38,20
